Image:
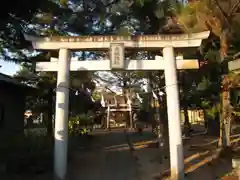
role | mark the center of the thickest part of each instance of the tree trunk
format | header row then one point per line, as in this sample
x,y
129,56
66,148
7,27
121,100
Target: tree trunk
x,y
155,120
162,110
187,125
212,124
125,91
163,122
164,131
225,124
50,112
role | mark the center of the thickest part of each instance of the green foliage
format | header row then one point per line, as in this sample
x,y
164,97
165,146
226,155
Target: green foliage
x,y
127,18
45,83
63,3
49,18
142,2
213,111
236,113
204,84
27,154
15,21
96,95
80,124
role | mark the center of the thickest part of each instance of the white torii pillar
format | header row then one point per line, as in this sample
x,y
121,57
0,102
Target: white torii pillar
x,y
61,115
173,111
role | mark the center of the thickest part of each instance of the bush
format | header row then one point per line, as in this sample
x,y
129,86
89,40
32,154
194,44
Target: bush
x,y
28,154
81,124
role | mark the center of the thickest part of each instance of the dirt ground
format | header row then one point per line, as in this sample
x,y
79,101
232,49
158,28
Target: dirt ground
x,y
202,159
122,155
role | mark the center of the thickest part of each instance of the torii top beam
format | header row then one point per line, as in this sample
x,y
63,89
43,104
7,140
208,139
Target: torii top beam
x,y
104,42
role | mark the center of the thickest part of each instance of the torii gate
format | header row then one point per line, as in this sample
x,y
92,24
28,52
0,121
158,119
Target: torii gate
x,y
116,45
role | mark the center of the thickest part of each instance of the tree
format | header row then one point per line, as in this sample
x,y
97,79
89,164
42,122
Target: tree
x,y
187,89
44,98
115,17
220,17
31,17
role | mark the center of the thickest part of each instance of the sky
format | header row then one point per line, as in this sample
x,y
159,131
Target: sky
x,y
8,68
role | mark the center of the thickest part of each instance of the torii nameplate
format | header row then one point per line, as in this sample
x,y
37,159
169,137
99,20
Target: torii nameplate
x,y
117,56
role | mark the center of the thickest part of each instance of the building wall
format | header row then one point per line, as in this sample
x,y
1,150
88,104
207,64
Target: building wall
x,y
234,65
12,104
196,116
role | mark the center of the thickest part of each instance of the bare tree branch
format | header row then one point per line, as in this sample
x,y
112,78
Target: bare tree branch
x,y
234,8
104,86
224,14
229,4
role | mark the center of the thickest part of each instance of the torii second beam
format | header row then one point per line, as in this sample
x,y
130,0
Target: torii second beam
x,y
104,65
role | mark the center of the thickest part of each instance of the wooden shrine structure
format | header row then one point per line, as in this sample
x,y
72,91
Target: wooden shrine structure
x,y
118,110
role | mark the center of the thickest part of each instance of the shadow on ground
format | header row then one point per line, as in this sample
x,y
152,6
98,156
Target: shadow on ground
x,y
108,157
202,159
119,155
